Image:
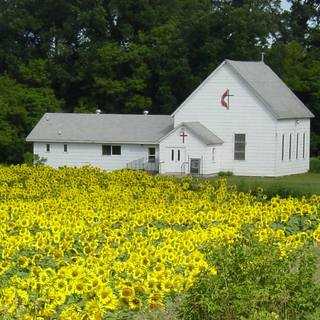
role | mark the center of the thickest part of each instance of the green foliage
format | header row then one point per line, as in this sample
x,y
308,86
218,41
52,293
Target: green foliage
x,y
33,159
130,55
225,174
315,144
255,281
315,165
21,108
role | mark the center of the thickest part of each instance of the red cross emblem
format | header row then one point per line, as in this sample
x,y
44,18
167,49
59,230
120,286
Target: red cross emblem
x,y
183,135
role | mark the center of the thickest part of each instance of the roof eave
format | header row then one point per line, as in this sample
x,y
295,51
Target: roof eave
x,y
296,117
90,141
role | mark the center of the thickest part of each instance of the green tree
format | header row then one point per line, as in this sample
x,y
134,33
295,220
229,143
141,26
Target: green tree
x,y
21,108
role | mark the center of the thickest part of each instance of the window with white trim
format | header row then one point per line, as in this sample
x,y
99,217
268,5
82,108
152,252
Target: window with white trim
x,y
48,147
172,154
297,147
109,150
282,147
152,155
304,146
239,146
290,146
213,154
65,148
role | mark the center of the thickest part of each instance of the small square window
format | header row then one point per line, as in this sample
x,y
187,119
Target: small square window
x,y
65,148
116,150
48,147
106,150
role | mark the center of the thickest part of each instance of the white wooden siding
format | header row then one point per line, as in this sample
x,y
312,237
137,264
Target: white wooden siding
x,y
293,166
192,148
246,115
80,154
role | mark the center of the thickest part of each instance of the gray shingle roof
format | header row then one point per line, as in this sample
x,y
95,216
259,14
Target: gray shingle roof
x,y
200,131
203,133
101,128
275,94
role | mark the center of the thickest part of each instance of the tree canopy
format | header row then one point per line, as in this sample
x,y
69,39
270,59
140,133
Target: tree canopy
x,y
124,56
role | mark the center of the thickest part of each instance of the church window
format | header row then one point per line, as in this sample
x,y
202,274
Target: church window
x,y
239,146
48,147
108,150
297,146
152,155
65,148
304,146
282,149
290,146
172,155
116,150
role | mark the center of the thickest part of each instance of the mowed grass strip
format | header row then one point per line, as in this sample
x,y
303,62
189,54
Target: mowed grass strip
x,y
295,185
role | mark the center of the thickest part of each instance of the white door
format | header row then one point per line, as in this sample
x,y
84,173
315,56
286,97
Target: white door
x,y
177,158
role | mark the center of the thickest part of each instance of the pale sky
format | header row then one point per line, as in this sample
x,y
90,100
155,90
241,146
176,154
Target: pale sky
x,y
285,4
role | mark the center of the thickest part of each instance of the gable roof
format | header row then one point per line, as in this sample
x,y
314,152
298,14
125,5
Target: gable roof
x,y
267,86
275,94
101,128
200,131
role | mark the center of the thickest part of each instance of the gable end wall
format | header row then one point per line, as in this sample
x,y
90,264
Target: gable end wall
x,y
246,115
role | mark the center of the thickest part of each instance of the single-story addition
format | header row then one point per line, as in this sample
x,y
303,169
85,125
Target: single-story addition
x,y
242,118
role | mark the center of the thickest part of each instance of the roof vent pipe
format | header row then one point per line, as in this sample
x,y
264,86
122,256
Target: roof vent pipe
x,y
98,111
145,112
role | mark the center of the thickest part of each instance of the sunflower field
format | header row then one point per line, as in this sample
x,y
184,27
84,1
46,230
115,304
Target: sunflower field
x,y
83,243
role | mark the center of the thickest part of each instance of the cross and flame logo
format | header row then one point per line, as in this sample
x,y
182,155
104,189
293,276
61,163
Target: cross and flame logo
x,y
225,99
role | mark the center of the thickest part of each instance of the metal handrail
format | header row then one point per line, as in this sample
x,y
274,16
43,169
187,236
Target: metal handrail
x,y
183,167
143,164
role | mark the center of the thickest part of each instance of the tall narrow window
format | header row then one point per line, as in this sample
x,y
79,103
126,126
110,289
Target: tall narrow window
x,y
48,147
290,146
282,148
297,146
304,146
172,154
213,154
239,146
151,155
179,155
65,148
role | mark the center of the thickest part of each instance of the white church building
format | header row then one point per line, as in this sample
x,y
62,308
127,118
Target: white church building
x,y
242,118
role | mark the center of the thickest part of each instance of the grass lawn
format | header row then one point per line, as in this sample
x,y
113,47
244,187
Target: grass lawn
x,y
295,185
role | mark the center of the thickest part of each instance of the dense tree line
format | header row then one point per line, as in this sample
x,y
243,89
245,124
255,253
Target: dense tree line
x,y
130,55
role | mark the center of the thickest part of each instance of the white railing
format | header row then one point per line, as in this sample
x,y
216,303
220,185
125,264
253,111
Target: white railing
x,y
184,167
143,164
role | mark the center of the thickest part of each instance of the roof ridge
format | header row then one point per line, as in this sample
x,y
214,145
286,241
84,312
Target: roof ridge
x,y
245,61
107,114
